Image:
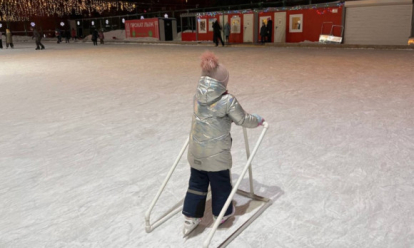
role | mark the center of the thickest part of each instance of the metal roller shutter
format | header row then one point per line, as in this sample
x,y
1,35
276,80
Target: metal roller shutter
x,y
378,24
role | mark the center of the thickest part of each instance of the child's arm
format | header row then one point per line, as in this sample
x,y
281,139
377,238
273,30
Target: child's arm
x,y
241,117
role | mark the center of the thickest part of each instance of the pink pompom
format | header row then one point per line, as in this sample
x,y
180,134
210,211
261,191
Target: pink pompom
x,y
209,61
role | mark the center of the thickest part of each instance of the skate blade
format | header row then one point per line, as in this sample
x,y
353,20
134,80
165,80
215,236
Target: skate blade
x,y
186,232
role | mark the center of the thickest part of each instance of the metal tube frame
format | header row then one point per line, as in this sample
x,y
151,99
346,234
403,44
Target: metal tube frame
x,y
323,26
246,143
235,189
342,29
267,202
148,226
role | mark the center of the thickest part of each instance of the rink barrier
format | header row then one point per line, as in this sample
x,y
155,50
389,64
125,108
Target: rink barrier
x,y
248,167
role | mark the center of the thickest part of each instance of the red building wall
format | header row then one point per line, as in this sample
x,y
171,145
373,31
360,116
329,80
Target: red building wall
x,y
188,36
312,23
313,18
208,36
142,28
233,38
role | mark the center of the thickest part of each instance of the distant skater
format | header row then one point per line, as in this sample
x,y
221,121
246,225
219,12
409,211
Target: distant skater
x,y
67,36
58,35
227,32
9,39
101,37
95,37
38,38
73,34
217,33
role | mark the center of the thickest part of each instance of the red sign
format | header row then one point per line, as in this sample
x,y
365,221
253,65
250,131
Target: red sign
x,y
142,28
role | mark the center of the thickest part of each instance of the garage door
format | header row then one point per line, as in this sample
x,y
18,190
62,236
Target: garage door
x,y
378,24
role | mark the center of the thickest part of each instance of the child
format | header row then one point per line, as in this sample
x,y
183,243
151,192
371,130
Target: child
x,y
73,34
101,37
210,142
227,31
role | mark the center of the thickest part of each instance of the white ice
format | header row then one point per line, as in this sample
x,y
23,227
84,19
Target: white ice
x,y
87,135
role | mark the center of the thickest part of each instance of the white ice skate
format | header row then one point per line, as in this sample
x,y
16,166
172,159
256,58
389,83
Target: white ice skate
x,y
225,218
190,224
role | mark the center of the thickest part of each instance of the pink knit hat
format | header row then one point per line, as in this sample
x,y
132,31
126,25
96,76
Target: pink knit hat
x,y
211,67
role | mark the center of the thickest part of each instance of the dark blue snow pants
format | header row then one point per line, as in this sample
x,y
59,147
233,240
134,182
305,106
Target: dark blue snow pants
x,y
195,199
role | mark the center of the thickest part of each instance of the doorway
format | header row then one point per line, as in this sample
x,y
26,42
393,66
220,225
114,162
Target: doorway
x,y
248,28
280,27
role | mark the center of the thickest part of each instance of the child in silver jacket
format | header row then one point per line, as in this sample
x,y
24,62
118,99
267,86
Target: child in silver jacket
x,y
210,142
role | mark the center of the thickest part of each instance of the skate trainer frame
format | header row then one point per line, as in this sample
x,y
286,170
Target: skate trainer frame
x,y
267,202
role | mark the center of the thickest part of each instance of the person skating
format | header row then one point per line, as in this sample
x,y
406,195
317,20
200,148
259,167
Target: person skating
x,y
210,142
38,37
101,37
9,39
73,34
58,35
217,33
1,41
67,36
95,37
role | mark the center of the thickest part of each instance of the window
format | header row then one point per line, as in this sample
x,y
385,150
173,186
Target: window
x,y
202,26
296,23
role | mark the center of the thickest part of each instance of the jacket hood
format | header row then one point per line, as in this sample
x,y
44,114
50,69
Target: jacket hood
x,y
209,90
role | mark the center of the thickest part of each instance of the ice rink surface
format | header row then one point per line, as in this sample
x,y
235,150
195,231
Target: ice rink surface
x,y
88,134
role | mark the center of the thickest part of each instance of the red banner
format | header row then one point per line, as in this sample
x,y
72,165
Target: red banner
x,y
142,28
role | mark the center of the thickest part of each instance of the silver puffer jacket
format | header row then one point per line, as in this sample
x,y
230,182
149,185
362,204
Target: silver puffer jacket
x,y
210,139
